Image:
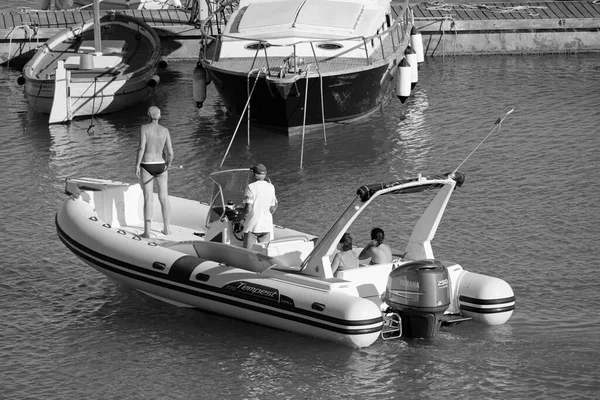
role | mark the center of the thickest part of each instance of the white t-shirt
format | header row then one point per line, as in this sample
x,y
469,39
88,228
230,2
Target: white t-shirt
x,y
262,195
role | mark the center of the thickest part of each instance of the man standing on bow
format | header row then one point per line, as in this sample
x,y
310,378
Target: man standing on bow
x,y
259,205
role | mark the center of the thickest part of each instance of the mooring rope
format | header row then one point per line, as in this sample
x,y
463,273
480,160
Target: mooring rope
x,y
304,119
31,30
91,129
245,108
441,6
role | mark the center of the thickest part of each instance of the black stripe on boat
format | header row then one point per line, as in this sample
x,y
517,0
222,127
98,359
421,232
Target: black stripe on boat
x,y
285,311
486,302
496,310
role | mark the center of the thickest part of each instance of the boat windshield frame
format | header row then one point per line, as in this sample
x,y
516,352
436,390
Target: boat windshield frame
x,y
228,185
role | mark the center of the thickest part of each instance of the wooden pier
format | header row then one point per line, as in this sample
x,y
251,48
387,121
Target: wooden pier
x,y
457,28
22,32
460,28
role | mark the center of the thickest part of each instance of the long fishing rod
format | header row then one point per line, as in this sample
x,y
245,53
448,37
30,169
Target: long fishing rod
x,y
497,125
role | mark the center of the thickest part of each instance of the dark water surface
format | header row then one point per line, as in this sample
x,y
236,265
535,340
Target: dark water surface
x,y
528,213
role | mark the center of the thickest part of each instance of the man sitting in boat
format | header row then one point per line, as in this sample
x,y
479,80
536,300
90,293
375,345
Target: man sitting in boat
x,y
376,250
260,203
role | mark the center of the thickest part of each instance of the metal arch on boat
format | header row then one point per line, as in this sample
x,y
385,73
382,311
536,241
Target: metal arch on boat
x,y
365,192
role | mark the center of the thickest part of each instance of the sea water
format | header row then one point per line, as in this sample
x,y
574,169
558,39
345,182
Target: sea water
x,y
527,213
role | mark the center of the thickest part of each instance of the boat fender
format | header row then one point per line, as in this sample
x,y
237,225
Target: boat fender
x,y
154,80
21,80
416,42
403,80
199,85
411,57
44,4
162,63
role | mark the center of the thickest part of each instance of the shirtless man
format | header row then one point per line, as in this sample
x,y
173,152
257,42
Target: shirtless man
x,y
379,252
155,140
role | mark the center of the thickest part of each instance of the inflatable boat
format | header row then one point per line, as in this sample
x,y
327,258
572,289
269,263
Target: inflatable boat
x,y
287,283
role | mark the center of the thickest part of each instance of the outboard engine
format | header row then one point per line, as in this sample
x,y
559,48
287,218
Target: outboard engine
x,y
419,292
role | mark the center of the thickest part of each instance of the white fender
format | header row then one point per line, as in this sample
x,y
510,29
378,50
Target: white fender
x,y
411,57
403,80
416,42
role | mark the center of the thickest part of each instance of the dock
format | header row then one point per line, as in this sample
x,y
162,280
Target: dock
x,y
22,32
461,28
457,28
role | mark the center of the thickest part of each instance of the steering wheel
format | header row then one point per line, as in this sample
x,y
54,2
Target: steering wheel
x,y
238,230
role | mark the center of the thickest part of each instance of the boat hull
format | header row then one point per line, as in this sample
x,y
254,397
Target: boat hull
x,y
302,71
287,106
92,97
292,302
287,283
121,76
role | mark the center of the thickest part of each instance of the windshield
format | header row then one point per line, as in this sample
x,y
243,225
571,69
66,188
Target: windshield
x,y
228,187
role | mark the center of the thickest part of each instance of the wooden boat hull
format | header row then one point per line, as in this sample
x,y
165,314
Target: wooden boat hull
x,y
92,97
122,76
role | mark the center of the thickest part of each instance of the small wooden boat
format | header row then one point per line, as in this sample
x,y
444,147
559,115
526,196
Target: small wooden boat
x,y
117,4
297,65
287,283
107,64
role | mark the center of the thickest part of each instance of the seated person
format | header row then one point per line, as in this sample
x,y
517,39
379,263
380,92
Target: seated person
x,y
346,258
379,252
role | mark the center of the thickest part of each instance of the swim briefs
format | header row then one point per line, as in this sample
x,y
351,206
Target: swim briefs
x,y
154,169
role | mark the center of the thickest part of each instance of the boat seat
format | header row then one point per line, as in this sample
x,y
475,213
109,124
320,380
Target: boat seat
x,y
328,285
108,46
288,251
369,291
119,205
374,274
237,257
98,62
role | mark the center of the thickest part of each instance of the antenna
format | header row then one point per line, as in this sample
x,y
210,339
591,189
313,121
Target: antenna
x,y
497,124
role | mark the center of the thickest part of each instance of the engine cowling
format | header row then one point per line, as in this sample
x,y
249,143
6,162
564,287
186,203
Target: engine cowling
x,y
419,292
